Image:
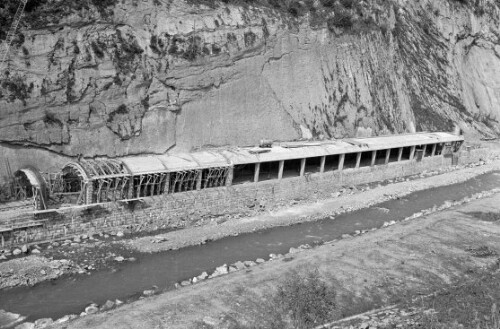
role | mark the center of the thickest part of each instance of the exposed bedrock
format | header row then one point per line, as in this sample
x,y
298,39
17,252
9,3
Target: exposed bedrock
x,y
159,76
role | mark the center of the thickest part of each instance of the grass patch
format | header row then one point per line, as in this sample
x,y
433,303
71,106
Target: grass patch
x,y
485,216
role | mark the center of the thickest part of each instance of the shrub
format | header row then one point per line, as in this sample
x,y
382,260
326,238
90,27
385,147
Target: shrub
x,y
341,19
306,299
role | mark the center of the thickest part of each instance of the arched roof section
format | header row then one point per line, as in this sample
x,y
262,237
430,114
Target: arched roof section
x,y
33,177
76,167
36,180
101,168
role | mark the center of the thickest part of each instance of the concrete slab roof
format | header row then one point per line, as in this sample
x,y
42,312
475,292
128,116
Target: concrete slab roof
x,y
138,165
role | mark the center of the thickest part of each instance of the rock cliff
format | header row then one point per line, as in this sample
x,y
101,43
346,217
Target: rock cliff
x,y
151,76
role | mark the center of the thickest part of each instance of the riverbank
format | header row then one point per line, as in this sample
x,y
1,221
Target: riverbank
x,y
86,254
346,200
390,266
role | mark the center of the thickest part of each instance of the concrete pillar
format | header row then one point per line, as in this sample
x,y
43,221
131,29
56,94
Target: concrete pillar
x,y
358,159
138,189
387,156
166,187
322,164
412,152
302,167
374,158
230,175
198,180
425,149
341,162
434,146
280,170
3,241
400,154
256,172
89,192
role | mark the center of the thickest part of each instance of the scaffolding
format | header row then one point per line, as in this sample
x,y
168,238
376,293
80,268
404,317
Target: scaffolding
x,y
4,50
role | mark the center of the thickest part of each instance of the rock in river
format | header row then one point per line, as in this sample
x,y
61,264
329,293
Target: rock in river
x,y
43,323
16,252
91,309
148,292
108,305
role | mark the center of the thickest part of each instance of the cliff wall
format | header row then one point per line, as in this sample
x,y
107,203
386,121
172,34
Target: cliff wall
x,y
151,76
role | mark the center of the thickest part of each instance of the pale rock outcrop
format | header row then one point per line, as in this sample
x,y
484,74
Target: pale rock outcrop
x,y
171,76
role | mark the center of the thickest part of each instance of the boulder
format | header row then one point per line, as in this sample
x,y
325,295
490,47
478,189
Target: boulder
x,y
25,249
119,259
77,239
203,276
239,265
108,305
55,244
64,319
35,251
232,269
26,325
17,252
43,323
346,236
249,263
293,250
260,261
148,292
120,234
221,270
43,272
3,257
118,302
185,283
91,309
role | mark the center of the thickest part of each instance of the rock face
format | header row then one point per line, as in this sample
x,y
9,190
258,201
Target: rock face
x,y
156,76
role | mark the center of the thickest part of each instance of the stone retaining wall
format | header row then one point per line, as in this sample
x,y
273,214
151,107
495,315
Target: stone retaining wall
x,y
197,207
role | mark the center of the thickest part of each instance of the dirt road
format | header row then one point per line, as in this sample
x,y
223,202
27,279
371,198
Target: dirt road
x,y
411,258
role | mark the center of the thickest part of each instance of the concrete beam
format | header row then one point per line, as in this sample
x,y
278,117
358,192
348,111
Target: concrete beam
x,y
198,180
358,159
256,173
281,167
166,188
341,162
412,152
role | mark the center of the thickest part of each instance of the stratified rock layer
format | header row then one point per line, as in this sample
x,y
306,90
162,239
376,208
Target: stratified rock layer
x,y
162,76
